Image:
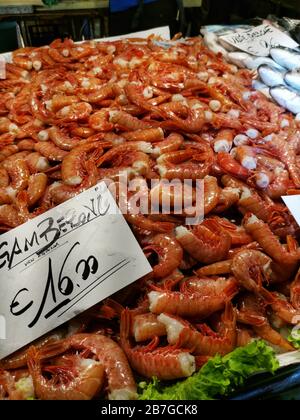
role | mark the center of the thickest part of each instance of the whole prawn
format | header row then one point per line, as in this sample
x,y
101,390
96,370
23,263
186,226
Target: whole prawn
x,y
191,303
182,333
206,243
121,383
163,362
169,252
73,163
261,233
81,380
252,312
252,268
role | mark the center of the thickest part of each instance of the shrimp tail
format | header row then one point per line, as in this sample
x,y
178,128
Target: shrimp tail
x,y
231,290
229,314
250,319
126,319
33,361
111,309
266,296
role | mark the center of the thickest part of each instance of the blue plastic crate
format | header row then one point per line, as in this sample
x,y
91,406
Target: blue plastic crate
x,y
120,5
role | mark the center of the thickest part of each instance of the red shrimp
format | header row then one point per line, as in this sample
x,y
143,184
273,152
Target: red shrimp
x,y
163,362
231,166
192,304
252,312
146,327
169,252
80,379
206,243
182,333
121,383
261,233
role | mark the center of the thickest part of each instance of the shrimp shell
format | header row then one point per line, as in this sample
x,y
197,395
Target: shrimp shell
x,y
184,334
4,178
37,163
18,172
169,252
72,164
146,327
261,233
126,121
165,363
120,379
251,268
50,151
9,216
252,312
148,135
61,140
191,304
211,194
84,386
37,185
207,243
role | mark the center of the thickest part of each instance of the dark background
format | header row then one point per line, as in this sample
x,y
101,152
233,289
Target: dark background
x,y
165,12
42,27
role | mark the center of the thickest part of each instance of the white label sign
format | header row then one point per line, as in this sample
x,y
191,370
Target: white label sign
x,y
293,204
259,40
63,262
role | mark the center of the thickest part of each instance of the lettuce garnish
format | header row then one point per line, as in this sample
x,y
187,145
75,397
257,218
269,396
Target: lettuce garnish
x,y
294,338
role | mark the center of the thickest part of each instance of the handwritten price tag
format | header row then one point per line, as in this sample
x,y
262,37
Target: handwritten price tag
x,y
293,204
259,40
63,262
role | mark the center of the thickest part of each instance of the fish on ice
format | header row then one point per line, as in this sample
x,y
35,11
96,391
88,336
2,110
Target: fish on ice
x,y
252,63
270,76
286,57
292,78
287,98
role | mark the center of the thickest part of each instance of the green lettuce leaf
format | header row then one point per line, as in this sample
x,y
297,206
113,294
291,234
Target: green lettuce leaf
x,y
294,338
219,376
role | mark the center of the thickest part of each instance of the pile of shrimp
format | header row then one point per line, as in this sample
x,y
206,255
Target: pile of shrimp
x,y
72,115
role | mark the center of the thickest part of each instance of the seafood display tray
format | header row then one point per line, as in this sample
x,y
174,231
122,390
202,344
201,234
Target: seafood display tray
x,y
284,385
222,285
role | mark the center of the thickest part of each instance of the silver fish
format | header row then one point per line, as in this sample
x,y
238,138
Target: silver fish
x,y
253,63
270,75
286,57
287,98
292,78
261,87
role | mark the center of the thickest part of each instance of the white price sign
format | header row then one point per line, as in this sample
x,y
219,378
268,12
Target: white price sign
x,y
259,40
63,262
293,204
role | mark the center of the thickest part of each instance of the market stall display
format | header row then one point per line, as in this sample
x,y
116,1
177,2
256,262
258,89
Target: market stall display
x,y
267,49
72,115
